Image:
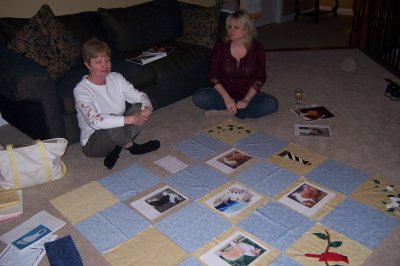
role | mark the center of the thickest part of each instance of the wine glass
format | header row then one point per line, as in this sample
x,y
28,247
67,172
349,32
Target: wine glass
x,y
298,95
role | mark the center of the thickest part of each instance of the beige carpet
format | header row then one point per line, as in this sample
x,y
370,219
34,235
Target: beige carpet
x,y
365,131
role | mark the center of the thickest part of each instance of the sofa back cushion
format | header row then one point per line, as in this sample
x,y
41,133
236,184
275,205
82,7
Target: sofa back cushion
x,y
9,27
142,25
84,25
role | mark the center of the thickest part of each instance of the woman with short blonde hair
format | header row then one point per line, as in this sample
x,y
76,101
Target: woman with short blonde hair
x,y
106,125
92,48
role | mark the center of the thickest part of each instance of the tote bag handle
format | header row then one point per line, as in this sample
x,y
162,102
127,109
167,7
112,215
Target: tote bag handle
x,y
13,163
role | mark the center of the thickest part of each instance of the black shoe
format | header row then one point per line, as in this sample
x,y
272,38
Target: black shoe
x,y
149,146
112,158
391,88
395,94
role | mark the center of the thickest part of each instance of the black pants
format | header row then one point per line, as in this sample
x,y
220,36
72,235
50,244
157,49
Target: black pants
x,y
103,141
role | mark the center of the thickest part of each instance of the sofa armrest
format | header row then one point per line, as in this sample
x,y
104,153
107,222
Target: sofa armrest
x,y
17,72
21,79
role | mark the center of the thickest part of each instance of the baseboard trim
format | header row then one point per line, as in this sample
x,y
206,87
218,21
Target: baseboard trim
x,y
340,11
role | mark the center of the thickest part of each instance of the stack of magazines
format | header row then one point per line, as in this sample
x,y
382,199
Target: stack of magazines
x,y
11,205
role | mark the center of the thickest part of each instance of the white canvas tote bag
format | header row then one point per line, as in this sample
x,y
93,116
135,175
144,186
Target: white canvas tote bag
x,y
23,166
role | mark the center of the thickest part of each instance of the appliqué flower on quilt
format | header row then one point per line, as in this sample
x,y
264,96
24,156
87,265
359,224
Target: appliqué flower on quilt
x,y
327,255
392,194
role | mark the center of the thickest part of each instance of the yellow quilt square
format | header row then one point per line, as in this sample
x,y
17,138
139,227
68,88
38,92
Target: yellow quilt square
x,y
323,246
320,198
233,201
232,245
230,131
84,202
379,194
149,247
297,159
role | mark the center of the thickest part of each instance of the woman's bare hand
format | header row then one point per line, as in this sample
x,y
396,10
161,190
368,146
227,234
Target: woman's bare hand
x,y
242,104
230,105
146,112
135,119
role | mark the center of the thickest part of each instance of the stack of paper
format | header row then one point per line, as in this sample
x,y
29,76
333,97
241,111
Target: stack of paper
x,y
25,243
11,204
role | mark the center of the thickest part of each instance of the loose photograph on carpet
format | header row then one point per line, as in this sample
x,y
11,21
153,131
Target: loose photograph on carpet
x,y
312,130
313,112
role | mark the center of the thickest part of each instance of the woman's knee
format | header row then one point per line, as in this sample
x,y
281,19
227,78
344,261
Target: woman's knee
x,y
261,107
203,97
134,108
199,97
272,105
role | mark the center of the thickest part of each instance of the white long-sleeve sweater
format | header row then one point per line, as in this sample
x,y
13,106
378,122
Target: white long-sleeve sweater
x,y
103,106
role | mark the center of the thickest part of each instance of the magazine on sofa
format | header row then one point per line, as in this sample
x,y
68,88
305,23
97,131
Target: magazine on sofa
x,y
144,59
153,53
164,48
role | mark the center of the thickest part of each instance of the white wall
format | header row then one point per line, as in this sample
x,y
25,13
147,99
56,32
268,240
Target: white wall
x,y
2,121
28,8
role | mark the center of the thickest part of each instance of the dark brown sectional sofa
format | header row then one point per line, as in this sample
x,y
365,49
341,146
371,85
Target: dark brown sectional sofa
x,y
41,104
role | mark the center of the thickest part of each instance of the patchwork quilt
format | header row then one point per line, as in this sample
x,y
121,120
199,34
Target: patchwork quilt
x,y
232,195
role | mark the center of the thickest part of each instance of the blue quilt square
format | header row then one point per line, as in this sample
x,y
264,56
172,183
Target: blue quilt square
x,y
260,144
201,146
276,224
360,222
337,176
192,226
190,261
267,178
284,260
111,226
130,181
196,180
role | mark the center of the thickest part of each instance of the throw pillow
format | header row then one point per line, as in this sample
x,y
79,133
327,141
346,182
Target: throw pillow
x,y
200,25
45,41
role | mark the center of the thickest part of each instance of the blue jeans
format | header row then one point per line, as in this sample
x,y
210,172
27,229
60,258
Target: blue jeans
x,y
262,103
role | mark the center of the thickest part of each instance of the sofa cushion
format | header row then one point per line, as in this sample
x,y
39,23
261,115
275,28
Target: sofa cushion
x,y
45,41
142,25
84,25
184,60
200,25
9,27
